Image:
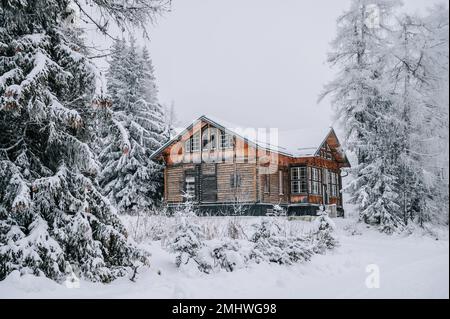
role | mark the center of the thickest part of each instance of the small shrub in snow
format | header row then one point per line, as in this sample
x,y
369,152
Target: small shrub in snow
x,y
187,238
322,235
228,256
234,229
273,245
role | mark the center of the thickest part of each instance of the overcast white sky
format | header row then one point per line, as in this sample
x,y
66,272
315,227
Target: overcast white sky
x,y
259,63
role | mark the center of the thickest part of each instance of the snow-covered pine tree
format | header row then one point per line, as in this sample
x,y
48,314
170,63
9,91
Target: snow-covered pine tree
x,y
415,74
322,234
187,238
136,127
272,244
433,146
364,107
418,70
438,21
52,216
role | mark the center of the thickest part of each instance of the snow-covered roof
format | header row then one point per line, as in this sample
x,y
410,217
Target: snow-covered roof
x,y
295,143
301,142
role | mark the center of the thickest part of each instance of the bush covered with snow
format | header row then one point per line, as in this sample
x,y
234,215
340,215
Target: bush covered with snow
x,y
187,238
272,244
228,255
321,236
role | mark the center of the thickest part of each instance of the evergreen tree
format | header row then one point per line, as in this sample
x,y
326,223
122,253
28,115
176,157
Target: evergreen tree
x,y
272,244
52,216
392,96
322,235
365,109
416,72
187,238
136,129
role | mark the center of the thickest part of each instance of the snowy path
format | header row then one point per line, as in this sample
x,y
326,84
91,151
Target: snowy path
x,y
412,267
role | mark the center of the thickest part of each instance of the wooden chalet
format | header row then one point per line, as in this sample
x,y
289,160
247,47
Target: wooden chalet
x,y
222,167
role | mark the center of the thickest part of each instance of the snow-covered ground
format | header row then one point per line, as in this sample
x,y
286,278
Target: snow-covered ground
x,y
413,266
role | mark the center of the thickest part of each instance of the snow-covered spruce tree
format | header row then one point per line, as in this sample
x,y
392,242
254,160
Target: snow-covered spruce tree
x,y
363,103
187,238
271,244
416,75
136,128
419,73
321,236
228,255
52,216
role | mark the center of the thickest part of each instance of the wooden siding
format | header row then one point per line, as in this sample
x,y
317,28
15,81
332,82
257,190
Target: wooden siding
x,y
274,196
214,170
247,190
175,177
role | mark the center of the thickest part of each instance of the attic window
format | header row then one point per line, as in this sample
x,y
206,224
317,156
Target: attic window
x,y
196,142
226,140
325,152
205,140
213,139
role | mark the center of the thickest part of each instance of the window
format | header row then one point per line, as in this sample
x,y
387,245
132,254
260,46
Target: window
x,y
315,180
209,139
226,140
333,184
213,139
325,152
267,184
187,146
196,142
205,140
280,182
235,180
299,180
190,187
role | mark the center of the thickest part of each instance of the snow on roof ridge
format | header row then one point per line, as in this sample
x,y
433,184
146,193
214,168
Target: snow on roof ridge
x,y
290,144
313,137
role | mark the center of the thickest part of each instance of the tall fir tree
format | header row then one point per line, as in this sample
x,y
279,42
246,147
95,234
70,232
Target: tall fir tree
x,y
417,73
365,109
53,218
392,93
129,178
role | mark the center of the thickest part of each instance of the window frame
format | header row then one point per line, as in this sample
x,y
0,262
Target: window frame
x,y
333,183
315,180
301,180
226,140
190,186
235,180
188,146
213,132
196,141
